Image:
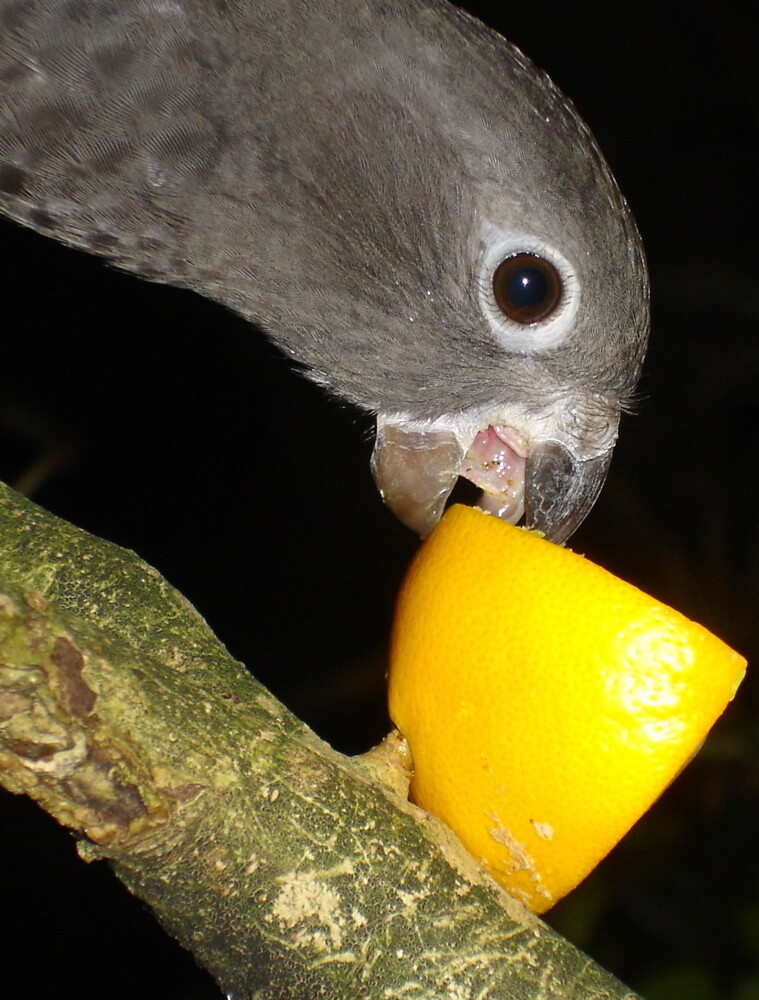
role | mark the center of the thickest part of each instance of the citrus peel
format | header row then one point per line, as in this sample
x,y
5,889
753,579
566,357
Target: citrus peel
x,y
546,702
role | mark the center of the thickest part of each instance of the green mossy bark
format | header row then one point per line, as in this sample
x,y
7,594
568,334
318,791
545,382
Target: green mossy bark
x,y
288,870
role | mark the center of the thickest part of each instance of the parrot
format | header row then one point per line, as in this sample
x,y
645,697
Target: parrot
x,y
389,190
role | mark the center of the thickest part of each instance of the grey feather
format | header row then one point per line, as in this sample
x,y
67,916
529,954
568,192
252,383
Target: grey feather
x,y
324,168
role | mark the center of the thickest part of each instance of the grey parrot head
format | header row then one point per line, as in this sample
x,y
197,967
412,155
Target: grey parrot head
x,y
394,193
493,305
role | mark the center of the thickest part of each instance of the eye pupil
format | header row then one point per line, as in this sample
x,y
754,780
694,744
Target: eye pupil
x,y
527,288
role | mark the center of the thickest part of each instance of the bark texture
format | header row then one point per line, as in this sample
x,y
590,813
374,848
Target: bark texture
x,y
288,870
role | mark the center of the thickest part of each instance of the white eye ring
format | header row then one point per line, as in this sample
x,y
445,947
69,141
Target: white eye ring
x,y
526,337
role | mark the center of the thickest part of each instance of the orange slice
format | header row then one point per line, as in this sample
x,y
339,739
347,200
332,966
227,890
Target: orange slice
x,y
546,702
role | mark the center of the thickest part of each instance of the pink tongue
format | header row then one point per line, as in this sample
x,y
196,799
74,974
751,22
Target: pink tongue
x,y
496,463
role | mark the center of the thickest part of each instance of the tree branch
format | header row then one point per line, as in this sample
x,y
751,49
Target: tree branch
x,y
288,870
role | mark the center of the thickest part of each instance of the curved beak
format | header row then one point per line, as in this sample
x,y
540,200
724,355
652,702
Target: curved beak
x,y
560,490
551,469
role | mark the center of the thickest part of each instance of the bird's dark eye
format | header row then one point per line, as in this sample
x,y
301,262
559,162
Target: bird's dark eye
x,y
527,288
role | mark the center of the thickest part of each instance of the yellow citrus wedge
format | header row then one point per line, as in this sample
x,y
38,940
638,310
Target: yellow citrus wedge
x,y
546,702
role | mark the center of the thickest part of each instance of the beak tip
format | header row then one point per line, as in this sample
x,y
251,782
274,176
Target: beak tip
x,y
560,489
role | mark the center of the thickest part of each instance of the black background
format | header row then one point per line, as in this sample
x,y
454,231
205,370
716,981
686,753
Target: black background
x,y
189,440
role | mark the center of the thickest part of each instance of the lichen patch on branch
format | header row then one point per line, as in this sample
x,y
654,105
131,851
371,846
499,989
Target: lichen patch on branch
x,y
53,744
310,908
